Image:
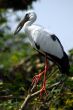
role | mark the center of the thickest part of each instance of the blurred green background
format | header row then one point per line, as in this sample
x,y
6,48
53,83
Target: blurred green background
x,y
19,63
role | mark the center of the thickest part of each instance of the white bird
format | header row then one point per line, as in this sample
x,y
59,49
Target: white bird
x,y
45,43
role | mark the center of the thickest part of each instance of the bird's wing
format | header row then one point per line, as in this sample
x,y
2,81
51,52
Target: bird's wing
x,y
48,43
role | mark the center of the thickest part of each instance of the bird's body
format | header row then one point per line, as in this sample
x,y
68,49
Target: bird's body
x,y
45,43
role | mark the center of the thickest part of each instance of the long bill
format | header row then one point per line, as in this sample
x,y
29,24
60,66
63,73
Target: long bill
x,y
20,25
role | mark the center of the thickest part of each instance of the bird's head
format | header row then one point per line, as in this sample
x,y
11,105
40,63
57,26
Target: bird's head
x,y
29,16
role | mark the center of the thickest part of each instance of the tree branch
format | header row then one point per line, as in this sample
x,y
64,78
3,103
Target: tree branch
x,y
31,95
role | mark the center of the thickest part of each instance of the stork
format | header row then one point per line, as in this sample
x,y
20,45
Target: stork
x,y
45,43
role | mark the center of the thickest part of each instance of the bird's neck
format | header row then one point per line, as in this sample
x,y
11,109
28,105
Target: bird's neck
x,y
28,24
27,28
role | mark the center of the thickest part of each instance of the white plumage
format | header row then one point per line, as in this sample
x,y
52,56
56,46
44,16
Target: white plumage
x,y
45,42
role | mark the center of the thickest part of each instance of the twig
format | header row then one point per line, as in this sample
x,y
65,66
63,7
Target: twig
x,y
25,102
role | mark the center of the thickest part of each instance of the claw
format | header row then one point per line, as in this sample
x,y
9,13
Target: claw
x,y
36,78
43,89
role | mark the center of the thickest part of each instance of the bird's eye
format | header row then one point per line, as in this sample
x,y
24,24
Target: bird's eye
x,y
27,16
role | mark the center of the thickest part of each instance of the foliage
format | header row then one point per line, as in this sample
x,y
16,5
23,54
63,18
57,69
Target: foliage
x,y
18,64
16,4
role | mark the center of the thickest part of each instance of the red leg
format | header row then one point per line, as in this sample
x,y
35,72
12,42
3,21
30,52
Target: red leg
x,y
36,78
43,89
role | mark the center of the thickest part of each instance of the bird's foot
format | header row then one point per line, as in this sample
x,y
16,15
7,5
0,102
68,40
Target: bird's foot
x,y
43,89
36,78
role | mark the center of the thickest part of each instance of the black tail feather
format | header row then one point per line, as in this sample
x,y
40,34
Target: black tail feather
x,y
64,64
